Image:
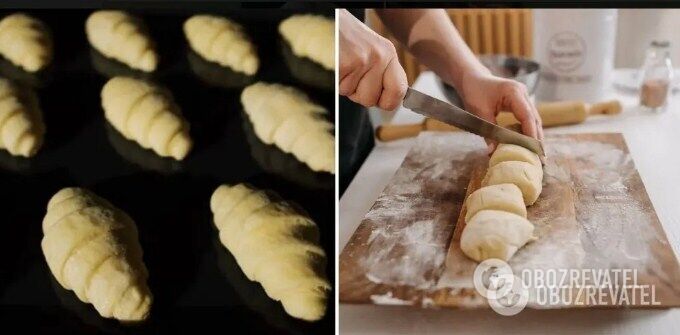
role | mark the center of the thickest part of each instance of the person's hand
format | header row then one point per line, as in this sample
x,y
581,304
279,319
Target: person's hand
x,y
486,95
370,73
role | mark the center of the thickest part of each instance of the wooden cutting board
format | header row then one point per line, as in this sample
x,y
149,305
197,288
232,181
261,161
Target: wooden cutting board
x,y
593,213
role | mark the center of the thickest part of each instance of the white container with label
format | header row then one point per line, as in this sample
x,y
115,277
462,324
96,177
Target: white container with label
x,y
575,48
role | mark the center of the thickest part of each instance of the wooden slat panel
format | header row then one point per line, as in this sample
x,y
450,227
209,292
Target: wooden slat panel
x,y
474,31
486,31
500,30
527,33
514,30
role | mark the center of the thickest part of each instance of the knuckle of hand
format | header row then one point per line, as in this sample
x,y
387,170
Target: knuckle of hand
x,y
362,60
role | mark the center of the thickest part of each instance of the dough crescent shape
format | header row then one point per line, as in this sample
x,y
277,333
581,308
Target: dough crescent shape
x,y
275,245
117,34
26,42
92,248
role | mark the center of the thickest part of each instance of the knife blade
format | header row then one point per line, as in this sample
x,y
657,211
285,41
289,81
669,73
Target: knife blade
x,y
424,104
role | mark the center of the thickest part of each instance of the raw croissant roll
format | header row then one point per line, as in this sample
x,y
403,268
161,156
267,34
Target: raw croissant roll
x,y
92,248
147,114
123,37
274,245
25,41
21,124
222,41
311,36
286,117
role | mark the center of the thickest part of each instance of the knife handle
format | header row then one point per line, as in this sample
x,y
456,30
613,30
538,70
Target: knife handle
x,y
391,132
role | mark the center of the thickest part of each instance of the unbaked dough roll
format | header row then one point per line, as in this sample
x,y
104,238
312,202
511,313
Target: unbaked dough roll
x,y
92,248
495,234
147,114
502,197
311,36
222,41
25,41
526,176
511,152
21,123
123,37
286,117
275,245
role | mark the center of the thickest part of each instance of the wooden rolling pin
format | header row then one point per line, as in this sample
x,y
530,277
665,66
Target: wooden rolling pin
x,y
552,113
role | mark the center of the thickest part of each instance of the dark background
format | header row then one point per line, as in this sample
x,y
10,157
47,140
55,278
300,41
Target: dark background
x,y
196,283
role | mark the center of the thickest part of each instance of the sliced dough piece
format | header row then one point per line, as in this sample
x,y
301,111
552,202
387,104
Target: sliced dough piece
x,y
146,113
285,116
510,152
526,176
275,245
92,248
21,123
495,234
502,197
222,41
311,36
26,42
117,34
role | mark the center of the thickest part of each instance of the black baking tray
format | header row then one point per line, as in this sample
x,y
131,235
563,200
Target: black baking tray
x,y
197,285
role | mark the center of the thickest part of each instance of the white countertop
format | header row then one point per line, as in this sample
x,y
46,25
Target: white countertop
x,y
653,140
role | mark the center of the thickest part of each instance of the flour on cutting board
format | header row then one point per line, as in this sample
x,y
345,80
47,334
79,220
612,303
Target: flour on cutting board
x,y
406,243
605,229
614,227
593,213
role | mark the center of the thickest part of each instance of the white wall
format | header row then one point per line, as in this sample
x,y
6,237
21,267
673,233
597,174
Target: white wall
x,y
638,27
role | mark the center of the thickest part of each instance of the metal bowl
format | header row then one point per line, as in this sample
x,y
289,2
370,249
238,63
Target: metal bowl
x,y
522,70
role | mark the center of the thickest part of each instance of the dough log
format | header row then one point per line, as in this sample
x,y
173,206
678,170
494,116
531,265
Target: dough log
x,y
496,224
92,248
21,123
495,234
147,114
286,117
123,37
275,245
26,42
222,41
311,36
503,197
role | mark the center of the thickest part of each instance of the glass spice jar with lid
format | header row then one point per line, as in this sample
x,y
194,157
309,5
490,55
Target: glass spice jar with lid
x,y
656,76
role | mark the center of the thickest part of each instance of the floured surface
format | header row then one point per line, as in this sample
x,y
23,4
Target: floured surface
x,y
593,213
